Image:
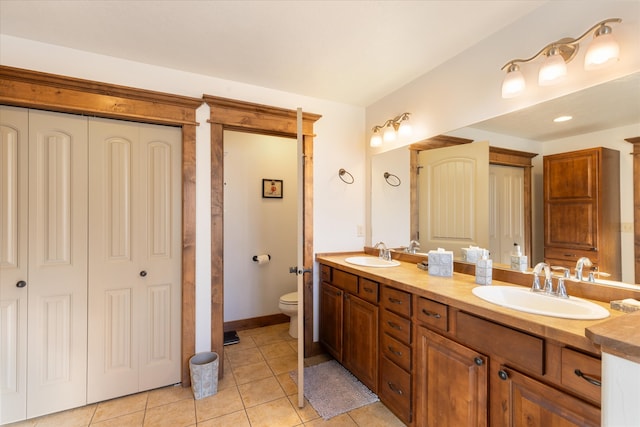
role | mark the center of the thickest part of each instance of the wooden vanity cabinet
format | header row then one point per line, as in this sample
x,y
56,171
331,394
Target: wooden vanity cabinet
x,y
582,209
349,322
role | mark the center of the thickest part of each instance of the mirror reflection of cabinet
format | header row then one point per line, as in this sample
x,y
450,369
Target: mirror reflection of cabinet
x,y
582,209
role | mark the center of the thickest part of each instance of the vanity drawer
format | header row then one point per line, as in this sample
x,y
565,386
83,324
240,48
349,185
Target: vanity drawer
x,y
346,281
368,290
325,273
396,351
581,373
571,255
520,349
396,326
395,389
397,301
433,314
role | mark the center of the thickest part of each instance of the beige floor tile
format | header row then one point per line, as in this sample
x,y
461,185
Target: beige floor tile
x,y
237,419
306,413
227,381
247,373
275,350
224,402
245,357
165,395
176,414
278,413
342,420
284,364
121,406
261,391
286,382
130,420
78,417
375,415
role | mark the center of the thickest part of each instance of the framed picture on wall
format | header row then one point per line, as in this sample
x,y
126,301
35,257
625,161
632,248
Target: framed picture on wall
x,y
272,188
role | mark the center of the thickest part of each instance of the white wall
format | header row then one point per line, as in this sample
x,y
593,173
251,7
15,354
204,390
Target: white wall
x,y
254,225
338,208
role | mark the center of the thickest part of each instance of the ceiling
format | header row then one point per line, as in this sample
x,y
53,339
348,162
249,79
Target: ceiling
x,y
353,52
608,105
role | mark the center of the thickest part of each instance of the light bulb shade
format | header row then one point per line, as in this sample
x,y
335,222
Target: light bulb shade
x,y
603,51
552,71
389,134
376,140
513,83
405,128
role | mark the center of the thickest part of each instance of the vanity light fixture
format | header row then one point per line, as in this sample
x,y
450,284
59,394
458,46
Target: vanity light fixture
x,y
561,119
389,130
602,51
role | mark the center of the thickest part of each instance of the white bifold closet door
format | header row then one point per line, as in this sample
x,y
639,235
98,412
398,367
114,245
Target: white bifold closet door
x,y
135,263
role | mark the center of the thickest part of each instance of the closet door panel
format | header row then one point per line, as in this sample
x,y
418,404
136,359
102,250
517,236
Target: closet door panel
x,y
115,285
14,176
160,343
57,308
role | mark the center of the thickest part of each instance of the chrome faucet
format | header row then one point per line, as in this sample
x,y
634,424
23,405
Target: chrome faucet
x,y
413,246
561,290
583,261
548,285
383,252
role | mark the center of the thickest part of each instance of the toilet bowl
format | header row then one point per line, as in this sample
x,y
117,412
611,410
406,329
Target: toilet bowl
x,y
288,304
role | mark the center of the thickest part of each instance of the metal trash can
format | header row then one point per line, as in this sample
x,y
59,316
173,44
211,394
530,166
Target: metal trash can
x,y
204,374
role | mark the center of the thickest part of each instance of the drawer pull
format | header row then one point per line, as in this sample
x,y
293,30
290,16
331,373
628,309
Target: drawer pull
x,y
338,293
431,313
503,375
368,290
394,325
394,388
395,301
571,255
397,353
587,378
478,361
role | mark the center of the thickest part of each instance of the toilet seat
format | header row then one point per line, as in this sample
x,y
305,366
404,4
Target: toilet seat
x,y
289,299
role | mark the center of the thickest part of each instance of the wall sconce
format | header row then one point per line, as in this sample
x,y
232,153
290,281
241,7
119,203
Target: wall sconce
x,y
602,51
388,130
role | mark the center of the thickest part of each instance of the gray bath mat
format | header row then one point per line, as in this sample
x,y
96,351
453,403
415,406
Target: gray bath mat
x,y
332,390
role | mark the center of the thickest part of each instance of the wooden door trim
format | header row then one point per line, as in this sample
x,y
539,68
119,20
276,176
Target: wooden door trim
x,y
636,204
497,156
230,114
34,89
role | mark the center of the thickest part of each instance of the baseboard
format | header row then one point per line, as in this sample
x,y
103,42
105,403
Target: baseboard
x,y
256,322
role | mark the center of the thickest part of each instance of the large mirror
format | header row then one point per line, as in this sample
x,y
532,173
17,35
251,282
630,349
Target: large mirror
x,y
604,115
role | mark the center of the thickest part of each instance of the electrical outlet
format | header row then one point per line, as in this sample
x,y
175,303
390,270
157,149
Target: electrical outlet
x,y
360,231
627,227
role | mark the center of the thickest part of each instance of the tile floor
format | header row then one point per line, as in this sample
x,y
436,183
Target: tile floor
x,y
256,391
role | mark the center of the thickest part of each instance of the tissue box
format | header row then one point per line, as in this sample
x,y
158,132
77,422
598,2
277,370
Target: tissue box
x,y
441,263
519,263
471,254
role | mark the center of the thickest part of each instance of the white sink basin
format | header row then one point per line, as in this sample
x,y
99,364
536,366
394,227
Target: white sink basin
x,y
522,299
371,261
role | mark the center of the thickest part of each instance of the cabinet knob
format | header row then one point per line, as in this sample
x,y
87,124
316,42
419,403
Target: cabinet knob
x,y
143,273
503,375
478,361
21,284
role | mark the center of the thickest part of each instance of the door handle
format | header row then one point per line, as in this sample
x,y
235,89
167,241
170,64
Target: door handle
x,y
21,284
143,273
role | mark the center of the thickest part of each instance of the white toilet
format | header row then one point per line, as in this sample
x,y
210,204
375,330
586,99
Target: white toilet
x,y
288,304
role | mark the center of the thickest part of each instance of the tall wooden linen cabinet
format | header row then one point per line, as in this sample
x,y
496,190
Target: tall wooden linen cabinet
x,y
582,210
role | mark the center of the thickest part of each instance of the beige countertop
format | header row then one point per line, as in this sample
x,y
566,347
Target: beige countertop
x,y
456,292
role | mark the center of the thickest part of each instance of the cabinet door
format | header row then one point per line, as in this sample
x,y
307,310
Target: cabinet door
x,y
361,340
331,319
527,402
14,175
134,269
451,383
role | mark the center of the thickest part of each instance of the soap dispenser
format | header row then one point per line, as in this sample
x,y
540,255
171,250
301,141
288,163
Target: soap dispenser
x,y
518,260
484,268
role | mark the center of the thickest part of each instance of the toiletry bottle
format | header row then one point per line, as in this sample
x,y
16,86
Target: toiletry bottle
x,y
518,260
484,268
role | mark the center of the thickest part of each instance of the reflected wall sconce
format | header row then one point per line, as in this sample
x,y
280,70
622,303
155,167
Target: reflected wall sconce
x,y
389,130
602,51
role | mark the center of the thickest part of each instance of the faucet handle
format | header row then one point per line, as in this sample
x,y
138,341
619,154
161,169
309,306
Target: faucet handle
x,y
562,290
565,271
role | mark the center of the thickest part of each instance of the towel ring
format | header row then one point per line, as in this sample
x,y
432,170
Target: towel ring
x,y
394,178
342,172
